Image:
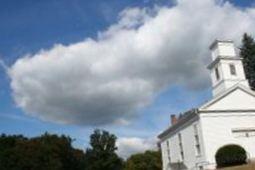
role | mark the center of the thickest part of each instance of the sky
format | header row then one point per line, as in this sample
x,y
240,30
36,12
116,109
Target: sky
x,y
69,67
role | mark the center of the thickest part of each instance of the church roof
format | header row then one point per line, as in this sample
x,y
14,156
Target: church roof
x,y
188,115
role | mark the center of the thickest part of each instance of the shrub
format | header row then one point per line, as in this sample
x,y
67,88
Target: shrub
x,y
149,160
230,155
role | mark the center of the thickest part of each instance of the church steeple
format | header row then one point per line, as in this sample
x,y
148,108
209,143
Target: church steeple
x,y
226,67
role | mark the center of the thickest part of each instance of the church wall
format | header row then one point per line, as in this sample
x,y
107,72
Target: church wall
x,y
227,80
226,49
218,131
191,160
163,147
238,66
215,53
219,88
213,75
237,100
223,49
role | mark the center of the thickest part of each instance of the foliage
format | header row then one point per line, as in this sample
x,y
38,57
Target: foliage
x,y
248,55
49,152
149,160
101,155
53,152
230,155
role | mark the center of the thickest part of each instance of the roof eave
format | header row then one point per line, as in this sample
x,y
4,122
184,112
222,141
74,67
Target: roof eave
x,y
183,120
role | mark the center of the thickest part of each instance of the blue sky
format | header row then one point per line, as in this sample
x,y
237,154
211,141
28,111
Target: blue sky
x,y
29,26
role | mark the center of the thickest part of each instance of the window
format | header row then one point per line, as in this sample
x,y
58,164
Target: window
x,y
168,151
181,146
217,74
195,129
232,69
200,168
245,133
197,142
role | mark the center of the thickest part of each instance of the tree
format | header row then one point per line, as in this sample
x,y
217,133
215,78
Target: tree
x,y
149,160
8,157
248,55
101,155
49,152
230,155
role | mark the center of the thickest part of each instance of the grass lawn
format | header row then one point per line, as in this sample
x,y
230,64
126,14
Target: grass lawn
x,y
244,167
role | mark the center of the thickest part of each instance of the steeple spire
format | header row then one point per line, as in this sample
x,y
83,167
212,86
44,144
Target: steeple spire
x,y
226,67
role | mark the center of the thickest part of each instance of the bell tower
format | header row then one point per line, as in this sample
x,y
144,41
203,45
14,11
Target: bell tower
x,y
226,67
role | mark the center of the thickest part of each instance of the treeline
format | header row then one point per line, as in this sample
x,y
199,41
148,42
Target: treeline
x,y
248,54
53,152
48,151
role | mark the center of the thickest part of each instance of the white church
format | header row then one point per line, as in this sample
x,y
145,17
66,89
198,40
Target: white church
x,y
193,139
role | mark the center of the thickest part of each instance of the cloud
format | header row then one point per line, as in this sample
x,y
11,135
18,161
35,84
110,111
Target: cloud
x,y
15,117
106,80
133,145
3,65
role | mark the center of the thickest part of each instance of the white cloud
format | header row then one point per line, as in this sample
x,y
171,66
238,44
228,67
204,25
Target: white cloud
x,y
107,80
3,65
133,145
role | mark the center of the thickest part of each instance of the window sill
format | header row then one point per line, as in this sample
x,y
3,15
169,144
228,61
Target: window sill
x,y
198,156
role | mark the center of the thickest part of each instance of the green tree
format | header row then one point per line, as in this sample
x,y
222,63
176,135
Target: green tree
x,y
149,160
101,155
8,157
49,152
248,55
